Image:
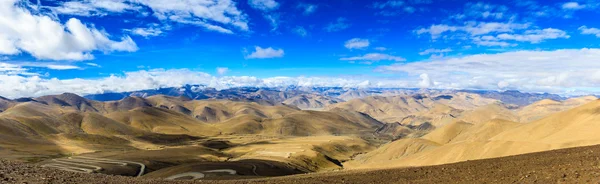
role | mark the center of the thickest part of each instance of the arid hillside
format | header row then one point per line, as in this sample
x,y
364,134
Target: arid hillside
x,y
573,165
461,141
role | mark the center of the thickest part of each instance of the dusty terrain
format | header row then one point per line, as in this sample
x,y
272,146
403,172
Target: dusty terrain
x,y
176,138
573,165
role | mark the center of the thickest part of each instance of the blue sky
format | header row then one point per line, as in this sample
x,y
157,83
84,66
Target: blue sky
x,y
95,46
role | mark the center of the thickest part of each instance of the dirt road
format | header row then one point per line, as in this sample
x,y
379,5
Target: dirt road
x,y
575,165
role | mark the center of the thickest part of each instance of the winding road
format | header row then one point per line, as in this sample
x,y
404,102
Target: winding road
x,y
200,175
87,164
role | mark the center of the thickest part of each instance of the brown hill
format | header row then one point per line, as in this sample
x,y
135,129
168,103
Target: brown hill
x,y
545,167
489,112
5,103
387,109
303,123
437,110
311,101
448,133
546,107
499,138
71,101
354,94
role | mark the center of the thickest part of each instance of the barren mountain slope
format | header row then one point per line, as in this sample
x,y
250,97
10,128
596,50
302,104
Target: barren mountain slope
x,y
5,103
499,138
488,112
415,109
303,123
545,167
311,101
547,107
387,109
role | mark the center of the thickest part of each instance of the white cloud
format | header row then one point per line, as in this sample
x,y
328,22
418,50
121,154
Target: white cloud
x,y
484,11
340,24
7,67
94,7
146,32
374,57
62,67
264,53
214,15
554,71
535,36
389,3
264,5
93,64
557,71
472,28
357,43
15,86
24,67
301,31
572,6
425,82
380,48
435,51
267,7
307,8
494,33
273,19
489,43
397,7
222,70
46,38
590,31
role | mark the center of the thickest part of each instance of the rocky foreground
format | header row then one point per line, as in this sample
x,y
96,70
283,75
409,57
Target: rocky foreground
x,y
574,165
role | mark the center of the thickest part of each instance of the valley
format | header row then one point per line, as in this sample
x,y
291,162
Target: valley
x,y
178,138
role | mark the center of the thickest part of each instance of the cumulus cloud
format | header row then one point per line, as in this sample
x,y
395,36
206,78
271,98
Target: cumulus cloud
x,y
380,48
340,24
590,31
357,43
374,57
15,86
389,3
45,38
535,36
264,5
572,6
222,70
435,51
267,7
7,68
558,71
425,82
300,31
554,71
146,31
490,43
264,53
472,28
481,10
24,67
62,67
94,7
495,33
307,9
93,64
214,15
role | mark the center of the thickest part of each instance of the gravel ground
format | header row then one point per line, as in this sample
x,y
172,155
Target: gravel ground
x,y
575,165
